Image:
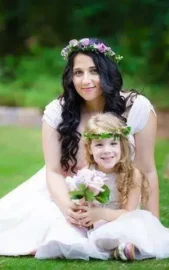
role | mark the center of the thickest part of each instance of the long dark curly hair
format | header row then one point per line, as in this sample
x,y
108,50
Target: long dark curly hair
x,y
71,101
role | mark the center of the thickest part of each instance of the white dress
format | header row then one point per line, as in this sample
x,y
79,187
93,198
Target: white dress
x,y
31,223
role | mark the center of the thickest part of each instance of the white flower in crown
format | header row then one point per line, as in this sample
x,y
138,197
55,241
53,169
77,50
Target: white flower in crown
x,y
110,52
74,42
65,52
85,41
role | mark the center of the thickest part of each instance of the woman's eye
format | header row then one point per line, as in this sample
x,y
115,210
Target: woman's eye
x,y
77,73
94,71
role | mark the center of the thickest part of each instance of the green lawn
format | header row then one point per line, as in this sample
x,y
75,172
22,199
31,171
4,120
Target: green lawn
x,y
21,156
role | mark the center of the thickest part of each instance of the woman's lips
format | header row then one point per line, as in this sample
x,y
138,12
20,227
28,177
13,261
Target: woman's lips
x,y
89,89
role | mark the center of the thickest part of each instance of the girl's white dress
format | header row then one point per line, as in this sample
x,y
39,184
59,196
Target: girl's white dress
x,y
31,223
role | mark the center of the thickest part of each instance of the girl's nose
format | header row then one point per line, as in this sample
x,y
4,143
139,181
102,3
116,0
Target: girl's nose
x,y
107,149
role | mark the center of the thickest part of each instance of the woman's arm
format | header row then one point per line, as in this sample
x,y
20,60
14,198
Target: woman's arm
x,y
144,161
54,173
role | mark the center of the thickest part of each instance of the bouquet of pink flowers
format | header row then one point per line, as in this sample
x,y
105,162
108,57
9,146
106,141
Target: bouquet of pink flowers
x,y
88,185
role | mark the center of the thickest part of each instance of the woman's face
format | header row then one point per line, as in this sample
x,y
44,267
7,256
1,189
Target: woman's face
x,y
86,79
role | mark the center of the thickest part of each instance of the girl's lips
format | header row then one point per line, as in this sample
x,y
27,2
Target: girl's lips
x,y
106,158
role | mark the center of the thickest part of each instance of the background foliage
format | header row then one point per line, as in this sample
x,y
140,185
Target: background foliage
x,y
33,32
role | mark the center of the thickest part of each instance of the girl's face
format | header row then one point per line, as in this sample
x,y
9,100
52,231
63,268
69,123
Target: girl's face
x,y
106,153
86,79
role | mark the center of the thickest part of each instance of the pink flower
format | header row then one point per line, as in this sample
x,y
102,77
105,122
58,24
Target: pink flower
x,y
92,179
74,42
84,175
85,41
101,47
96,184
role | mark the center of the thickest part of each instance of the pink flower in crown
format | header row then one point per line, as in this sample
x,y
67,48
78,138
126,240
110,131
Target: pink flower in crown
x,y
74,42
85,41
101,47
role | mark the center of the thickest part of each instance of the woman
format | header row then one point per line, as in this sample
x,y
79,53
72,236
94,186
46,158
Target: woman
x,y
92,83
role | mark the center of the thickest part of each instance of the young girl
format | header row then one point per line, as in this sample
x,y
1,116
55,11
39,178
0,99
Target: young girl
x,y
120,227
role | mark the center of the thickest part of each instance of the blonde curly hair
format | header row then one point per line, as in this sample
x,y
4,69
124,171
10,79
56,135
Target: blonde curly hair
x,y
107,122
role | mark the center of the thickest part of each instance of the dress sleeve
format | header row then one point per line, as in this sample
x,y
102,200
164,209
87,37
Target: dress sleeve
x,y
139,114
52,113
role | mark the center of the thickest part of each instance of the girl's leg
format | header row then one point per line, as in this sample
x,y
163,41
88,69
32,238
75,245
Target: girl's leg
x,y
128,252
124,252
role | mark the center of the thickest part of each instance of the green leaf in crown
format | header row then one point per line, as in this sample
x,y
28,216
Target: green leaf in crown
x,y
125,131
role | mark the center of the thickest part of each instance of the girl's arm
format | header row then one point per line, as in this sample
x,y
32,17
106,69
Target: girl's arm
x,y
54,173
144,161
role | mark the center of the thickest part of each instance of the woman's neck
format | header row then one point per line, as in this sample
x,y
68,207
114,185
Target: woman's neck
x,y
96,105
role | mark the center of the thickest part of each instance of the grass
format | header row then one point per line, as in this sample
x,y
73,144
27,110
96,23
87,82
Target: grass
x,y
21,156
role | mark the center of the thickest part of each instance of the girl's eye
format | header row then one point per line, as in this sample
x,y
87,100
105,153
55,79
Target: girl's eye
x,y
113,143
98,144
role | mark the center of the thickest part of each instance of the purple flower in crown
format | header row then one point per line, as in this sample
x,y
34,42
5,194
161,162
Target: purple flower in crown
x,y
85,42
101,48
73,42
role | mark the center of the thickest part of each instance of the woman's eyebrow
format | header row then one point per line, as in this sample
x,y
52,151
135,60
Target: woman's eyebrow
x,y
77,68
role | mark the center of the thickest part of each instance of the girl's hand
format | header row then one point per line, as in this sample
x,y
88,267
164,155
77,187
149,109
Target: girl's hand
x,y
90,215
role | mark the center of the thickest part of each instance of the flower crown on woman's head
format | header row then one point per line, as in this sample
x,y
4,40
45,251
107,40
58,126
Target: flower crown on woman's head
x,y
88,45
123,131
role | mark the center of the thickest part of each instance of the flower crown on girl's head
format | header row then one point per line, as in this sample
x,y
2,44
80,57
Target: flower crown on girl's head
x,y
124,131
88,45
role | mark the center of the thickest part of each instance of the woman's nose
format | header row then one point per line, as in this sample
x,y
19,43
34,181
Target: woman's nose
x,y
86,78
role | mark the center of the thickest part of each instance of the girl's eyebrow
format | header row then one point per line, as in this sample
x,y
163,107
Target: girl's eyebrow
x,y
96,141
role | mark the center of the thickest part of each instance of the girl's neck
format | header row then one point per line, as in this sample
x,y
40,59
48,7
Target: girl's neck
x,y
104,170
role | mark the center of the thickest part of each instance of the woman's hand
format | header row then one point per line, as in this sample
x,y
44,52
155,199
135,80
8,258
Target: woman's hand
x,y
89,215
72,213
